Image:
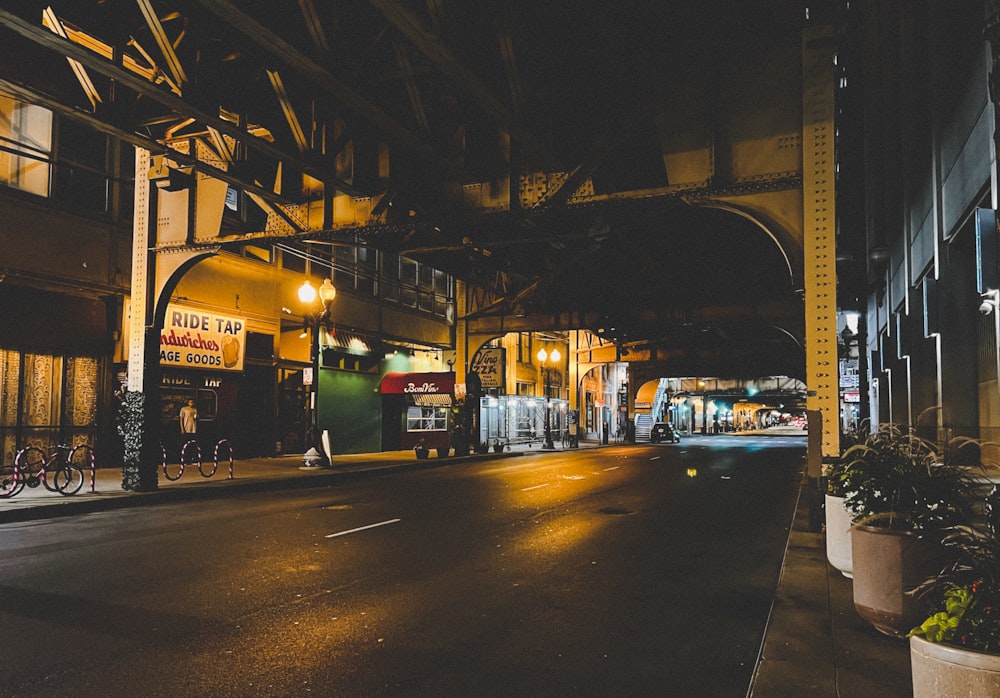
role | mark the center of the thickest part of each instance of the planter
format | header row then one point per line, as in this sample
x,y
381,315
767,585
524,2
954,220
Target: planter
x,y
838,535
498,448
886,564
421,452
443,452
940,670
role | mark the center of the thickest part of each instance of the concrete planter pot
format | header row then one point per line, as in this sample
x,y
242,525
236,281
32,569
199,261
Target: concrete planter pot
x,y
886,564
940,670
838,535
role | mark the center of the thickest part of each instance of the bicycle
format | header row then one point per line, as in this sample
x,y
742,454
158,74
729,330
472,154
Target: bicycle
x,y
65,465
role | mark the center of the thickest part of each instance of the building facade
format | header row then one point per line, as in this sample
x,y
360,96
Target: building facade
x,y
917,191
66,210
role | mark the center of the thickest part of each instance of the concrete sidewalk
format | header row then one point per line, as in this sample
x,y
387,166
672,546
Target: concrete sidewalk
x,y
815,645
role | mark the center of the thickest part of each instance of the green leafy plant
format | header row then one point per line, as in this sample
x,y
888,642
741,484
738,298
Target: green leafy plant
x,y
136,441
941,626
901,481
834,472
967,589
130,421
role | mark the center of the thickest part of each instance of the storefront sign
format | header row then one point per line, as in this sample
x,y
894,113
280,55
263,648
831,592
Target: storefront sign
x,y
421,388
489,364
407,383
195,339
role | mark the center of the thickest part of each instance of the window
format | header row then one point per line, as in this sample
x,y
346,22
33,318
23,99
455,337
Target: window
x,y
408,282
258,253
390,272
45,400
426,418
524,353
367,269
355,267
81,173
292,261
442,292
25,146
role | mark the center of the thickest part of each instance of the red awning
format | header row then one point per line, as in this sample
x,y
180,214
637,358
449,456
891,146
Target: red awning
x,y
399,383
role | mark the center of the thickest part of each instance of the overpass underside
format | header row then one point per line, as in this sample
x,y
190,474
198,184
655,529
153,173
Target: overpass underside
x,y
691,223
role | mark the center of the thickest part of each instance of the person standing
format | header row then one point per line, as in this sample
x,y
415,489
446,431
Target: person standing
x,y
189,418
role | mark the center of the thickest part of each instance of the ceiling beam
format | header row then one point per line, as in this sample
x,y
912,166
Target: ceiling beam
x,y
35,96
177,105
413,29
323,80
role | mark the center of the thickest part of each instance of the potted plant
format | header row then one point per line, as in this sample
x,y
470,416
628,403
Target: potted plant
x,y
838,521
420,449
838,517
902,492
956,650
460,440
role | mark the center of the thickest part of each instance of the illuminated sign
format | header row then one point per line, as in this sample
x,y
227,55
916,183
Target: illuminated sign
x,y
488,362
192,338
422,388
407,383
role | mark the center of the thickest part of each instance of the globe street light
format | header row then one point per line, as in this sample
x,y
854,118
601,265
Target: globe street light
x,y
315,319
542,357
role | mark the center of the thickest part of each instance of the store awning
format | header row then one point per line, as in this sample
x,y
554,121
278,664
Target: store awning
x,y
432,399
418,383
347,343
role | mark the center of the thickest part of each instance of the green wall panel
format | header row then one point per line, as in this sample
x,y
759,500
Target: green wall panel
x,y
350,407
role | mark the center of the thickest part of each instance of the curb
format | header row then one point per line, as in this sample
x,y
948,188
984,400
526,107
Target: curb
x,y
98,502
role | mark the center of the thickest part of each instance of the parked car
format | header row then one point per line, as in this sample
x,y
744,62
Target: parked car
x,y
662,431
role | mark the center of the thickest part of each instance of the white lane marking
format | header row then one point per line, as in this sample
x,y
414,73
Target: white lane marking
x,y
573,477
613,467
363,528
535,487
655,458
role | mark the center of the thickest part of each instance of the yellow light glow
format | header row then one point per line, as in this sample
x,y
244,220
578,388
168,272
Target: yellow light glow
x,y
327,292
307,294
544,355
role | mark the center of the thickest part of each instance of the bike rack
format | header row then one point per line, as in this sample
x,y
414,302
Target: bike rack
x,y
93,465
184,450
193,444
230,447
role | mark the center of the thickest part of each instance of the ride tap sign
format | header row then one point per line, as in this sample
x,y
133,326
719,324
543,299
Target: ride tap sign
x,y
192,338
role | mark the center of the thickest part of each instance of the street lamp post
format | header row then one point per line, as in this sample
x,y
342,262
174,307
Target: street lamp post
x,y
542,357
315,320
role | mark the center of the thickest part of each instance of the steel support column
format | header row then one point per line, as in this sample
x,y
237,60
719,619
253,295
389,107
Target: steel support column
x,y
819,218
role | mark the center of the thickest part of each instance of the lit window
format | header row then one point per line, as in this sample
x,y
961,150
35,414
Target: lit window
x,y
26,140
424,418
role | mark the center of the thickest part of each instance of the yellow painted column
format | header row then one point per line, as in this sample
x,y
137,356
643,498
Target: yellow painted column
x,y
819,212
461,331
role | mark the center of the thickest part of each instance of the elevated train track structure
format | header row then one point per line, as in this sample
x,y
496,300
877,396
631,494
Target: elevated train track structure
x,y
660,176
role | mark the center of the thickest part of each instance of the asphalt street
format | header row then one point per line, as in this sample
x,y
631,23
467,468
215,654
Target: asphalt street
x,y
639,570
